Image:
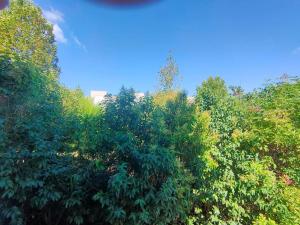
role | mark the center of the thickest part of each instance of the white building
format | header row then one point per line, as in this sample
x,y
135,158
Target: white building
x,y
99,96
191,99
139,95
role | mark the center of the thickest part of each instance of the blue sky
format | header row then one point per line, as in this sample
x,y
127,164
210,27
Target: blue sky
x,y
246,42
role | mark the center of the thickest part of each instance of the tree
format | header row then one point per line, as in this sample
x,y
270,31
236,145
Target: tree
x,y
167,78
146,184
162,160
274,118
26,35
32,124
211,91
168,74
237,91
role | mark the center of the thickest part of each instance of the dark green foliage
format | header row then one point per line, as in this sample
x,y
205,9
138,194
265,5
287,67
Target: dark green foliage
x,y
146,185
31,118
64,160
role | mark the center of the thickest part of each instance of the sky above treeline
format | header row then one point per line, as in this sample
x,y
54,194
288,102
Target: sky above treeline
x,y
245,42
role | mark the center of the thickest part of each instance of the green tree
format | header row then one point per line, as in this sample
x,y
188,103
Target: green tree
x,y
168,74
167,79
32,125
274,119
211,92
146,183
160,160
26,35
235,185
237,91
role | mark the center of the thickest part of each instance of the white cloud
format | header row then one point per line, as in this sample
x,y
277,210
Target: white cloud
x,y
55,17
59,34
79,43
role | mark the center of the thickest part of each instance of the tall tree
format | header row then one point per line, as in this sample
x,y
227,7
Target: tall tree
x,y
25,34
167,80
168,74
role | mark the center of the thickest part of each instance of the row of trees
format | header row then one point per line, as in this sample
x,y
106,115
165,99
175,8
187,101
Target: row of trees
x,y
226,158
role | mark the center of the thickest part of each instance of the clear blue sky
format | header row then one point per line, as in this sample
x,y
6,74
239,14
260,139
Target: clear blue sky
x,y
245,42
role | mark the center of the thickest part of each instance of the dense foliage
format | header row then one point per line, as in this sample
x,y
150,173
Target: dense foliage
x,y
224,158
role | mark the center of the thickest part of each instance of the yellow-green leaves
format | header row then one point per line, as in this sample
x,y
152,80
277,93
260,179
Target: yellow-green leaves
x,y
26,35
